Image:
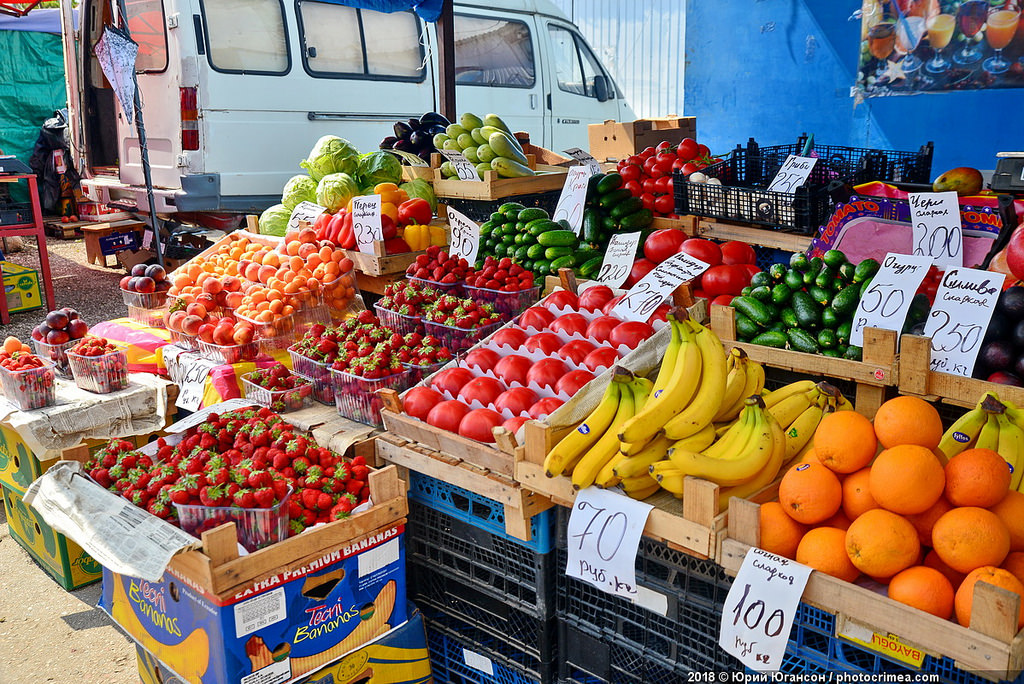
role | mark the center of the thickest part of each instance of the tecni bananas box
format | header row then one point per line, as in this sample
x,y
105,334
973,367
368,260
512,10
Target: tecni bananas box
x,y
276,629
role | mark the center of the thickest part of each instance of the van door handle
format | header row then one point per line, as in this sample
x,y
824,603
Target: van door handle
x,y
311,52
533,101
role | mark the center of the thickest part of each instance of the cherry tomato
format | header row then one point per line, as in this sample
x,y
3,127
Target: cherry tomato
x,y
479,424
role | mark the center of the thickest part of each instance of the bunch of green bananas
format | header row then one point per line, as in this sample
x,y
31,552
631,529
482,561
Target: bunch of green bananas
x,y
991,424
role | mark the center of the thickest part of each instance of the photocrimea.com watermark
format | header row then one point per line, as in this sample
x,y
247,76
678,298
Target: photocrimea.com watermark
x,y
810,677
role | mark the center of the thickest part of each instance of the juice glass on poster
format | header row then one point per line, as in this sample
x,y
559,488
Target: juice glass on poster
x,y
971,17
881,41
940,32
1002,26
909,31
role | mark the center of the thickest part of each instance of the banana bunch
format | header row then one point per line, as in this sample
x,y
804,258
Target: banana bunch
x,y
799,407
991,424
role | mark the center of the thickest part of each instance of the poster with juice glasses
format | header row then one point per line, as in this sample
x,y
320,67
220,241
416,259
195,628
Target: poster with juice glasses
x,y
914,46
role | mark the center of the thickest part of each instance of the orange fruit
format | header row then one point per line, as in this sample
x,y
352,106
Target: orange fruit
x,y
838,520
908,420
780,534
1015,563
923,588
824,549
977,477
989,574
857,497
881,543
924,522
932,560
845,441
810,492
969,537
906,479
1011,511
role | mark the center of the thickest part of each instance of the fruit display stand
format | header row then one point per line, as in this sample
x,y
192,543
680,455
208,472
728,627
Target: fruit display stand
x,y
541,190
917,378
378,270
878,370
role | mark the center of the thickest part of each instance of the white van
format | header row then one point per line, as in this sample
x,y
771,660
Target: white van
x,y
235,92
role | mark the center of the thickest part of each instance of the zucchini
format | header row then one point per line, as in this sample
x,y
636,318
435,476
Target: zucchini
x,y
557,238
532,214
626,207
845,303
801,341
609,183
746,329
771,339
865,270
808,313
613,198
755,310
552,253
638,220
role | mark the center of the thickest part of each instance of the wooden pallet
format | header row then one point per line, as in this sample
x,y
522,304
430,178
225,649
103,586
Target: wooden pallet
x,y
520,504
55,228
877,371
920,380
763,237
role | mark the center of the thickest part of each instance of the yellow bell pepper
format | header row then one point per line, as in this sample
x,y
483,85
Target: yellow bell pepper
x,y
417,236
438,235
390,193
390,210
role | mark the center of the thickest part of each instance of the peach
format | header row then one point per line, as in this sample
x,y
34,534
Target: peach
x,y
192,325
212,285
174,320
205,332
196,309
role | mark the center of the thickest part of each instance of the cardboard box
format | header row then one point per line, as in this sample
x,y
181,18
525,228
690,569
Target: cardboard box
x,y
97,211
61,558
618,140
399,657
307,614
21,286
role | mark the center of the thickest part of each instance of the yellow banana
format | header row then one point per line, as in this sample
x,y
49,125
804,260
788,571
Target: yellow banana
x,y
641,388
637,482
642,493
576,443
722,428
962,433
790,408
634,448
843,404
732,441
800,431
736,468
798,387
988,438
586,471
735,380
763,478
637,464
1015,414
669,477
668,362
706,402
1011,448
754,384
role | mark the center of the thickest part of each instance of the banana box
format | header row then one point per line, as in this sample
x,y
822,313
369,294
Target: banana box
x,y
276,630
398,657
61,558
18,465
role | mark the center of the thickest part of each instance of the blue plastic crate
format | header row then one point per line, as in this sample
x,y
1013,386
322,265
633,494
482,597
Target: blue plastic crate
x,y
454,651
766,256
480,511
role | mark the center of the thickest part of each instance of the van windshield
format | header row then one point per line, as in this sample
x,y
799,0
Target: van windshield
x,y
146,24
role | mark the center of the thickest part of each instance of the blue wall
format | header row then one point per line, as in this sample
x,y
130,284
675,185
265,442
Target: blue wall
x,y
772,69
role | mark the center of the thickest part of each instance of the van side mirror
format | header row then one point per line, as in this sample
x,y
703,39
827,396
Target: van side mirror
x,y
601,88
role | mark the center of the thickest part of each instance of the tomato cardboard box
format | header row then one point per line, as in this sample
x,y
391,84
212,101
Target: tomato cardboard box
x,y
398,657
304,615
61,558
618,140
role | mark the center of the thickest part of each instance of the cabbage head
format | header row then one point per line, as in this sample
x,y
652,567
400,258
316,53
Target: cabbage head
x,y
274,221
335,190
421,188
379,167
298,189
331,154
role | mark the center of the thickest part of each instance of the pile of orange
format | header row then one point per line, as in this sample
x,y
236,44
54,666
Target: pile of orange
x,y
874,499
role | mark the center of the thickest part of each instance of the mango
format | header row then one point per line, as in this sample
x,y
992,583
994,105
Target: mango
x,y
963,179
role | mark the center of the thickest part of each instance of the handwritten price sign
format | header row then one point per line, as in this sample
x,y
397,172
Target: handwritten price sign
x,y
366,222
937,230
618,259
603,538
793,174
465,236
758,612
963,306
655,287
304,211
463,167
887,300
573,197
585,159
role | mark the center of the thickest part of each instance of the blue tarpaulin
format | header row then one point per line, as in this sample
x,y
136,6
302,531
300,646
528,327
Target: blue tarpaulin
x,y
428,10
36,21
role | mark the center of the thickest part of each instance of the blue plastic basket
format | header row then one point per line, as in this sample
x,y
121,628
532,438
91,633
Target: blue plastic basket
x,y
479,511
454,651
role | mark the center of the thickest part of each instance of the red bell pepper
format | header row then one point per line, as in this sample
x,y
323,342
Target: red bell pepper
x,y
396,246
387,227
321,224
415,211
334,227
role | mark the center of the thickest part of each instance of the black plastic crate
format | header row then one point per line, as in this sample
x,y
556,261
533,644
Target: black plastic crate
x,y
13,213
462,654
481,210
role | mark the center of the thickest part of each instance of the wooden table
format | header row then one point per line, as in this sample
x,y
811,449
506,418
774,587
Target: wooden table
x,y
33,229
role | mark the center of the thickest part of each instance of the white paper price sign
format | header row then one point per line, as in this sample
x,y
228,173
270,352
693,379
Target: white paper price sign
x,y
304,211
758,612
793,174
937,230
465,236
655,287
189,371
618,259
957,322
574,196
366,222
887,300
585,159
463,167
603,536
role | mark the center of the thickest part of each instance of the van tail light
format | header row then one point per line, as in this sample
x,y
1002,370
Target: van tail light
x,y
189,119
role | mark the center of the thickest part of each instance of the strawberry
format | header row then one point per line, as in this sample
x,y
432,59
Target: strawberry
x,y
324,501
354,486
212,496
259,478
244,498
264,497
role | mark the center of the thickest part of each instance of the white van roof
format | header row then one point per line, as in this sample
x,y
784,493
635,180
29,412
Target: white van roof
x,y
526,6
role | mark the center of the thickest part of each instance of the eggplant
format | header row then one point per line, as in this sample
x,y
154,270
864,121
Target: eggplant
x,y
402,130
419,139
414,124
403,145
436,128
425,151
434,119
388,142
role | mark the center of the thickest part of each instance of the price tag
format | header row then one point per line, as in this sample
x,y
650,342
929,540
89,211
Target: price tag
x,y
959,318
147,239
758,612
585,159
366,222
603,536
793,174
304,211
189,371
887,300
937,230
655,287
465,168
618,259
465,236
574,196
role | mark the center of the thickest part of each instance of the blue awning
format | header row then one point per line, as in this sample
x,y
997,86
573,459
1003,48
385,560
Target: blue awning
x,y
428,10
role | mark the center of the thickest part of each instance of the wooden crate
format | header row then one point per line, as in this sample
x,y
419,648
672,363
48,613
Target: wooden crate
x,y
685,223
919,379
382,264
53,227
745,232
520,504
618,140
493,187
878,370
991,647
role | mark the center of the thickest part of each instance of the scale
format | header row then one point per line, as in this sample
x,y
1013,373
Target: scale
x,y
1009,173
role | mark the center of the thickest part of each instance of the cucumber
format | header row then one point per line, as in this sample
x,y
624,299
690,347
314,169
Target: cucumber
x,y
510,206
753,309
486,227
841,349
808,313
771,339
613,198
845,303
626,207
591,267
745,292
497,218
746,329
777,326
829,319
567,261
834,258
813,268
846,272
820,295
520,226
843,331
826,278
564,224
609,183
557,238
500,251
827,339
508,239
781,294
522,237
521,254
801,341
532,214
609,225
552,253
638,220
540,226
760,279
591,225
865,285
865,270
762,293
834,353
799,262
794,280
788,318
853,353
777,272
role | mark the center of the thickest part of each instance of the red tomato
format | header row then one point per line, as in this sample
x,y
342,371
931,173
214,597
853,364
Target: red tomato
x,y
635,159
751,268
660,314
631,172
634,187
647,200
576,351
723,300
546,372
484,359
601,327
688,168
447,415
662,169
664,146
641,267
512,337
649,185
702,150
630,333
573,381
664,204
517,400
544,407
724,279
607,308
479,423
513,368
536,317
661,244
594,297
602,357
562,299
648,152
451,380
514,423
705,250
687,149
570,323
664,184
484,389
418,401
545,342
736,252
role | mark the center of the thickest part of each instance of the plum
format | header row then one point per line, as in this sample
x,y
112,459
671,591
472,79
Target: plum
x,y
58,320
145,284
57,337
139,270
77,328
156,272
